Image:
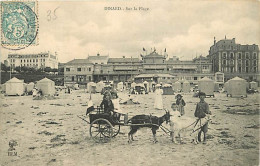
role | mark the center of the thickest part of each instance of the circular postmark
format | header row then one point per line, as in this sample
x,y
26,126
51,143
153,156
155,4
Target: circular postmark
x,y
19,24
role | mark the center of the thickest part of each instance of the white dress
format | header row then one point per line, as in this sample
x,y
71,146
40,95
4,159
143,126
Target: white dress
x,y
116,105
158,103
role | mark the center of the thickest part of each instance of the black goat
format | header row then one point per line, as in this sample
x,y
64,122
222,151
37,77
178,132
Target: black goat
x,y
152,122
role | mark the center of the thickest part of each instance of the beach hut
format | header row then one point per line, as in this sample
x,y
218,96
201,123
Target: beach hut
x,y
177,86
206,85
167,89
47,86
91,87
29,87
253,85
100,85
120,86
237,87
14,87
216,87
186,86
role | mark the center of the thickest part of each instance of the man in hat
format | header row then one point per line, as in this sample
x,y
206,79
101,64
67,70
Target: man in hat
x,y
180,104
202,109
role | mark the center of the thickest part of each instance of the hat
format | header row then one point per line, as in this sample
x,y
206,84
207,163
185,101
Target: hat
x,y
201,94
179,95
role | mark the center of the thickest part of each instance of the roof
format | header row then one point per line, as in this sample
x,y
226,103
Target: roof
x,y
79,61
97,57
45,80
237,78
123,60
205,79
14,80
153,75
154,54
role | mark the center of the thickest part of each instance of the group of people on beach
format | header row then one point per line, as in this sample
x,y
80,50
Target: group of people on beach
x,y
110,105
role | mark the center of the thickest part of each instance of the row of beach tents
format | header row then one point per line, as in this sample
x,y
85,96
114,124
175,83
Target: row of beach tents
x,y
15,86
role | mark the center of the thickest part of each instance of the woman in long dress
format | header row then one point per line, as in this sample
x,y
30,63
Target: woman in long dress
x,y
158,103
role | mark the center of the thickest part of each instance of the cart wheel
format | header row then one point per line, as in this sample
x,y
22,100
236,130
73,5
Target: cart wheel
x,y
101,130
116,130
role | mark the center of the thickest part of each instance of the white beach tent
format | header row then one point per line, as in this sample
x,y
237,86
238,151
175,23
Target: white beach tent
x,y
91,87
120,86
186,86
253,85
47,86
29,87
177,86
100,85
237,87
167,89
133,85
14,87
206,85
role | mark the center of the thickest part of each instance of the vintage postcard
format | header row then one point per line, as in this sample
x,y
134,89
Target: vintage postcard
x,y
129,82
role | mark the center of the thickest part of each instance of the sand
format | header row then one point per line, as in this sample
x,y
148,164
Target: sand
x,y
48,132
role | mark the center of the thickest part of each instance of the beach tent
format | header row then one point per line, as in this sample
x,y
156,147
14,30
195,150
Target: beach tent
x,y
226,86
24,87
186,86
100,85
133,85
206,85
47,86
167,89
14,87
29,87
216,87
253,85
76,86
237,87
91,87
120,86
177,86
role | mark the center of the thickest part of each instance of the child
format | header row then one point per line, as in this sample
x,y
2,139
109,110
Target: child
x,y
174,121
180,104
107,104
202,109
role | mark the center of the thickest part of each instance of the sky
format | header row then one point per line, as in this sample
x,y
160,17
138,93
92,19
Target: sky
x,y
185,28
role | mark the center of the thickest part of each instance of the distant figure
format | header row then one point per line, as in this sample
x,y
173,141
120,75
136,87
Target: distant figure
x,y
34,92
68,90
180,104
158,103
202,109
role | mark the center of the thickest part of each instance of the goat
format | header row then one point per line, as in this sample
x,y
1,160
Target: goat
x,y
152,122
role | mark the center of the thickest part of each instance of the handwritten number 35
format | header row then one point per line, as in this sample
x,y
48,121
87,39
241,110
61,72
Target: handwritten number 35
x,y
51,15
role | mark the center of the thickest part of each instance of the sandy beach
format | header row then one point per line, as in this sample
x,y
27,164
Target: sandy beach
x,y
48,132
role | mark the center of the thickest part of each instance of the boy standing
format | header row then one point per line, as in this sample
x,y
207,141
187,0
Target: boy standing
x,y
202,109
180,104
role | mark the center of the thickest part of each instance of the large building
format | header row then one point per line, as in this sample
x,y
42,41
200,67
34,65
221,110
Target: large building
x,y
234,59
40,60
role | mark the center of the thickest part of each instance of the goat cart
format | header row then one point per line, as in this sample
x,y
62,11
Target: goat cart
x,y
103,126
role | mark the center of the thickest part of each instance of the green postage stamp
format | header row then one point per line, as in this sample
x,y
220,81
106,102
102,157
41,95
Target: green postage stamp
x,y
19,24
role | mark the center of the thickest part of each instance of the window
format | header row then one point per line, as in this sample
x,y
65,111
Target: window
x,y
78,69
255,69
89,78
224,55
254,55
33,60
232,69
246,69
30,60
21,61
36,60
247,62
247,55
89,69
239,69
72,78
232,62
239,62
27,60
255,62
240,55
231,55
195,78
43,60
67,69
224,62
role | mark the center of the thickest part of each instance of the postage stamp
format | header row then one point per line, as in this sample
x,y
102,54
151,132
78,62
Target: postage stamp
x,y
19,24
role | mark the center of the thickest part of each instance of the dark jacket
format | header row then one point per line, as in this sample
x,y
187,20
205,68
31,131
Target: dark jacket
x,y
178,102
107,105
202,109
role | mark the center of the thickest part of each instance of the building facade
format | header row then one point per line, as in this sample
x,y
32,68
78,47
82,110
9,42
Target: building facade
x,y
37,61
234,59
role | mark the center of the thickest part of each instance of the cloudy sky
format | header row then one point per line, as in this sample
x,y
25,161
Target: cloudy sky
x,y
184,28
